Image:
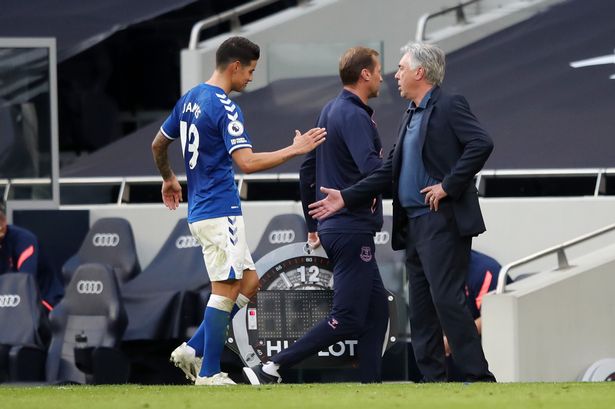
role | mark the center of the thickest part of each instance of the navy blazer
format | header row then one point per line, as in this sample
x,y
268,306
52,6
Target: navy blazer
x,y
455,148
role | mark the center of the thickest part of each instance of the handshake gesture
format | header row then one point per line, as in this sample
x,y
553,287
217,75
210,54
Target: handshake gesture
x,y
331,204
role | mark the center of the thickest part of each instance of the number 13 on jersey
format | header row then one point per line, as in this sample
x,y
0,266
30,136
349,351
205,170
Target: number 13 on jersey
x,y
190,135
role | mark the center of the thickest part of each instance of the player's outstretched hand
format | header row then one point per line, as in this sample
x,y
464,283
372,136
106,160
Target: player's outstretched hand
x,y
308,141
171,193
328,206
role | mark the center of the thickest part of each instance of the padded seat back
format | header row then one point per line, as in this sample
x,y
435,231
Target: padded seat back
x,y
91,308
177,265
390,262
392,268
110,241
164,299
22,319
282,229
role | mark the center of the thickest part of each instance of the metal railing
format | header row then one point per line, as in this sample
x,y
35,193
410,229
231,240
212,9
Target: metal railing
x,y
231,16
8,184
483,178
598,173
460,18
123,184
560,250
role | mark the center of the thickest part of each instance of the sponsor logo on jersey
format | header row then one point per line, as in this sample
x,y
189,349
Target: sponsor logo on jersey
x,y
186,242
89,287
106,240
235,141
281,236
9,300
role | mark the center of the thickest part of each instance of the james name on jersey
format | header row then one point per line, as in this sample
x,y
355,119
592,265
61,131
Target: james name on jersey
x,y
192,107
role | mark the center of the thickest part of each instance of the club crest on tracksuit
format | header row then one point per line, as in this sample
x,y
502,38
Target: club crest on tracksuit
x,y
366,254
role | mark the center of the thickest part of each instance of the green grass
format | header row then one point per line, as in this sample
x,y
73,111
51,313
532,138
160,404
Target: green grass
x,y
321,396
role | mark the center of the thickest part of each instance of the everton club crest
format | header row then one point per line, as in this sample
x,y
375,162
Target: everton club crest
x,y
366,254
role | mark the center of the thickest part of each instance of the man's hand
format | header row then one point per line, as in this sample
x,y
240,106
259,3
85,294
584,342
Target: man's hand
x,y
313,240
171,193
433,195
304,143
328,206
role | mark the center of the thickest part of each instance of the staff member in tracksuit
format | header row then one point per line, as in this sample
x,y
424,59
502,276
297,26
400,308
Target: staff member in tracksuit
x,y
20,252
353,150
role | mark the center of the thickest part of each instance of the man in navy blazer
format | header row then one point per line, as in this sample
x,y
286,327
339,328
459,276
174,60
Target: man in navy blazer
x,y
440,148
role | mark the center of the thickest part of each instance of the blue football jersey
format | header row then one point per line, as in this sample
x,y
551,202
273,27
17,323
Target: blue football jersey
x,y
210,127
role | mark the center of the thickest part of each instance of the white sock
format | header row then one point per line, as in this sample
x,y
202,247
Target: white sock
x,y
242,301
271,368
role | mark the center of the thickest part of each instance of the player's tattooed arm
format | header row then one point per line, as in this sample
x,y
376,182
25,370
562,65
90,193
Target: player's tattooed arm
x,y
161,158
171,189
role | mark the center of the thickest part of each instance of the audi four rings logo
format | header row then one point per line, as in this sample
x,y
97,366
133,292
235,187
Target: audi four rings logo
x,y
106,240
9,300
382,237
186,242
89,287
281,236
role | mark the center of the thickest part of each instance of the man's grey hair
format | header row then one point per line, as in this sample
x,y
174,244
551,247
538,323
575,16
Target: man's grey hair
x,y
428,56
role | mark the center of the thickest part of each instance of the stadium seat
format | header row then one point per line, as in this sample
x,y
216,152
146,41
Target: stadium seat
x,y
392,269
282,229
88,324
168,297
109,241
25,329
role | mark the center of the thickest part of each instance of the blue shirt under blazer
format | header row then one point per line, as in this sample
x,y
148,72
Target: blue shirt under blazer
x,y
454,148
